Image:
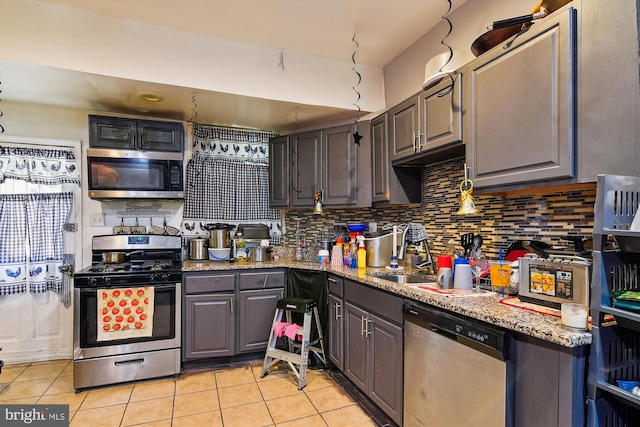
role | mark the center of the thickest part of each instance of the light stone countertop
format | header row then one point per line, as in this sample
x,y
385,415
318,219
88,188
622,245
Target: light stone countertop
x,y
485,307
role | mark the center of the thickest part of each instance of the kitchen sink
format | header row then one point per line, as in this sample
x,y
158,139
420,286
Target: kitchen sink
x,y
404,278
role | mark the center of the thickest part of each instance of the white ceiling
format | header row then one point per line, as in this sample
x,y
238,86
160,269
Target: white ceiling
x,y
322,28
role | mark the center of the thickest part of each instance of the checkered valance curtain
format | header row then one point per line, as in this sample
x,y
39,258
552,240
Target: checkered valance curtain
x,y
39,166
228,175
32,245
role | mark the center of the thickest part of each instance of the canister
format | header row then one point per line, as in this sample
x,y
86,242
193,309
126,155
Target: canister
x,y
198,249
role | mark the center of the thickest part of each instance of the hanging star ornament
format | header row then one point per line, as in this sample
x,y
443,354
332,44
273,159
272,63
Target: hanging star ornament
x,y
356,138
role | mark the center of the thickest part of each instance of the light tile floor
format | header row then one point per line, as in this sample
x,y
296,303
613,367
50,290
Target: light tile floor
x,y
235,396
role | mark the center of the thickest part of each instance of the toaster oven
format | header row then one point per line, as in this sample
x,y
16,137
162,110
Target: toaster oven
x,y
554,280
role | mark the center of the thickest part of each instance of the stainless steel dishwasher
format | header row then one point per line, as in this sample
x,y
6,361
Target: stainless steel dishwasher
x,y
457,371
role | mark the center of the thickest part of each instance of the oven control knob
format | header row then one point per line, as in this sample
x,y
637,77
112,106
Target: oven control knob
x,y
92,281
165,277
153,277
106,281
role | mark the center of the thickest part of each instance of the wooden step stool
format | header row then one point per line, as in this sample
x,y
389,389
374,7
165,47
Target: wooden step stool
x,y
298,353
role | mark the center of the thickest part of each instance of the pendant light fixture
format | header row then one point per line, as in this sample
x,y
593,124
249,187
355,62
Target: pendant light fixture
x,y
467,204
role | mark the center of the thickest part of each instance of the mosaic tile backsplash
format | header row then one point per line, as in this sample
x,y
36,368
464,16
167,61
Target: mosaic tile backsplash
x,y
502,219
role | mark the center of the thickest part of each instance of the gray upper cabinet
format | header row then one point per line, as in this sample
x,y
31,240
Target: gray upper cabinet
x,y
520,121
328,160
404,129
131,134
306,170
428,126
339,166
380,163
441,114
391,185
279,183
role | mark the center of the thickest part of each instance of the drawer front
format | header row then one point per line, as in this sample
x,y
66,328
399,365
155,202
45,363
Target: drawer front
x,y
262,280
374,301
209,283
336,285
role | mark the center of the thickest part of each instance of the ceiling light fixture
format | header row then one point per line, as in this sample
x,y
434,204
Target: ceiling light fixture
x,y
150,97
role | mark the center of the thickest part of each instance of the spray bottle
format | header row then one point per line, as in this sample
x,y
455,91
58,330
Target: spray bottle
x,y
362,253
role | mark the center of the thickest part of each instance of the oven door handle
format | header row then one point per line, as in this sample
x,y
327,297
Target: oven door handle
x,y
162,286
126,362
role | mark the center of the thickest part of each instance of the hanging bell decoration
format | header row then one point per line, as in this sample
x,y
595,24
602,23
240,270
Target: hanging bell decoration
x,y
317,200
467,204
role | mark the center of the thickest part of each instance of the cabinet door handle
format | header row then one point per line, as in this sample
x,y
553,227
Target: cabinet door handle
x,y
264,284
414,142
332,280
367,332
337,307
362,326
231,306
420,141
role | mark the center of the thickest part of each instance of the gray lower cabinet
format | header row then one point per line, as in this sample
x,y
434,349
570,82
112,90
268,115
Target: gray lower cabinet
x,y
210,326
550,384
336,331
335,345
373,345
228,313
257,309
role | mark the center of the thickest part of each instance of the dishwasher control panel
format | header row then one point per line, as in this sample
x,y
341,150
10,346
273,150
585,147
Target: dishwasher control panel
x,y
491,339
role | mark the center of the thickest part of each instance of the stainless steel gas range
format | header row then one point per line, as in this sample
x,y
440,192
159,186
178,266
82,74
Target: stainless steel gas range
x,y
127,314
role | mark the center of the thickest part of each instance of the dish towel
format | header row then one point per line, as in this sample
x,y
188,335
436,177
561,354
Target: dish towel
x,y
292,331
125,313
280,327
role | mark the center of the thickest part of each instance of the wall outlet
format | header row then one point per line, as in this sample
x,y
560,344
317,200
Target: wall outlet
x,y
96,220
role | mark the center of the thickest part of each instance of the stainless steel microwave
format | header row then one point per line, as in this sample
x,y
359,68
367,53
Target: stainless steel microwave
x,y
134,174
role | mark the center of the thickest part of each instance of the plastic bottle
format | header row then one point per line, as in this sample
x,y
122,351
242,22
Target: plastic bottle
x,y
336,253
323,257
346,254
241,249
353,254
362,253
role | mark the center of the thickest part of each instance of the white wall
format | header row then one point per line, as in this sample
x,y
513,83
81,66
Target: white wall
x,y
405,74
54,36
38,121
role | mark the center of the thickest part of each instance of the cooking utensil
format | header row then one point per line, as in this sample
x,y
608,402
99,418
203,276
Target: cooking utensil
x,y
476,242
116,257
154,229
504,29
219,235
466,241
254,231
535,249
198,249
138,229
122,229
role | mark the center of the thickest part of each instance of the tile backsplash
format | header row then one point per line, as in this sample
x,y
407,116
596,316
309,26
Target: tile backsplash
x,y
503,217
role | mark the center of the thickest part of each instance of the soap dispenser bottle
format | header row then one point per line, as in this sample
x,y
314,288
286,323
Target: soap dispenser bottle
x,y
362,253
